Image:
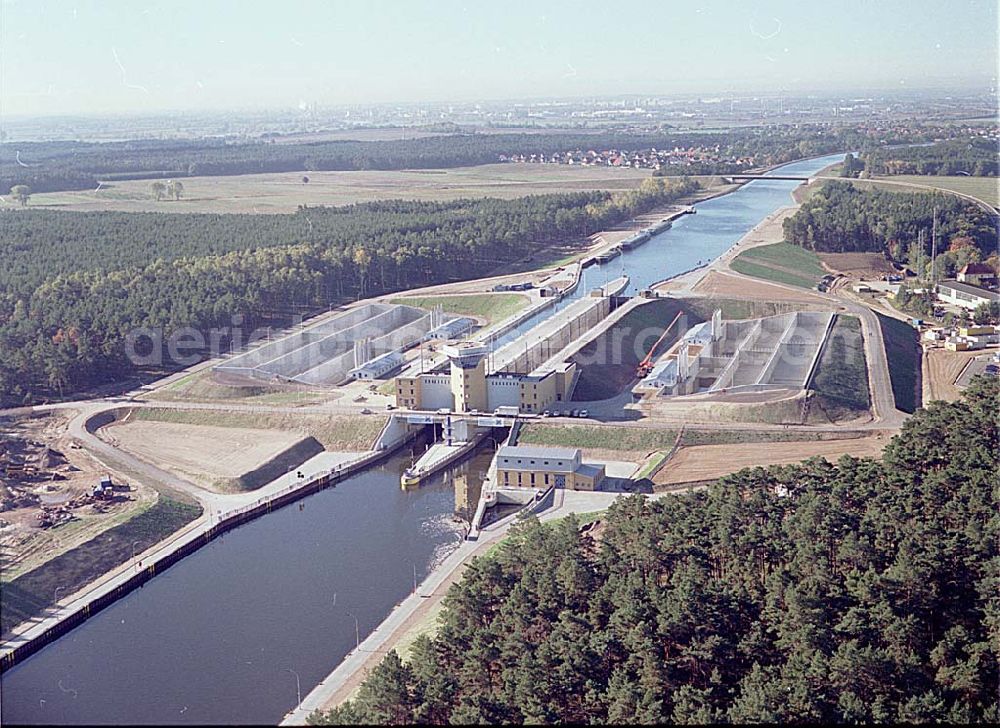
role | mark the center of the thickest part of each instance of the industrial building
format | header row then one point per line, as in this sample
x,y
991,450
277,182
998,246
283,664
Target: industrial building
x,y
530,373
541,467
977,274
964,295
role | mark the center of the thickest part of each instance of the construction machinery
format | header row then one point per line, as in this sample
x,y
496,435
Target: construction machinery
x,y
646,365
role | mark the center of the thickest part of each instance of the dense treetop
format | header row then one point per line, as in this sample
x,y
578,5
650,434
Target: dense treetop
x,y
74,285
976,157
842,217
861,592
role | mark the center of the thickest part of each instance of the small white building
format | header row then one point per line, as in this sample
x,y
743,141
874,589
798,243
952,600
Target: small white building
x,y
379,366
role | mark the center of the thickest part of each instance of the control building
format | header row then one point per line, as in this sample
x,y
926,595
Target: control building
x,y
529,466
468,388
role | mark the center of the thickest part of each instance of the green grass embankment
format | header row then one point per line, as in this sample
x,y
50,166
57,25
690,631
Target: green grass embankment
x,y
648,439
842,374
334,433
29,595
493,307
781,263
902,349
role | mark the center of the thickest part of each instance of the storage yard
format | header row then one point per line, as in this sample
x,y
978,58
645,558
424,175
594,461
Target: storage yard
x,y
47,493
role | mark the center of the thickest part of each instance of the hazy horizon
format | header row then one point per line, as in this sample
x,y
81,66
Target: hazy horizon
x,y
115,57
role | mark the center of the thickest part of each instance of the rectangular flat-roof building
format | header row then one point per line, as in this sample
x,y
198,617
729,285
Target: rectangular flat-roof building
x,y
964,295
540,467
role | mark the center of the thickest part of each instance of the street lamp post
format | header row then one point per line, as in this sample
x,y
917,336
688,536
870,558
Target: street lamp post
x,y
357,632
55,594
298,687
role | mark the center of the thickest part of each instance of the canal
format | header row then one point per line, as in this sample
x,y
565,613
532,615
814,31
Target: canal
x,y
691,241
221,636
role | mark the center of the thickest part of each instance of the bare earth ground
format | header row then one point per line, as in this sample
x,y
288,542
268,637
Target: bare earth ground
x,y
707,462
284,192
941,369
23,544
203,454
857,265
721,285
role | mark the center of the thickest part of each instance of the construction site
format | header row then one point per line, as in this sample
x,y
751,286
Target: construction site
x,y
53,494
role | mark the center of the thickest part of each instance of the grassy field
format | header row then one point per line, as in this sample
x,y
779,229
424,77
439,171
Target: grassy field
x,y
902,349
200,387
30,594
653,463
648,439
782,263
493,307
986,189
335,433
841,375
284,192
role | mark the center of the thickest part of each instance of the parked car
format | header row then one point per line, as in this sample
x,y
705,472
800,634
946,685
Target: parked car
x,y
546,413
584,413
574,413
366,411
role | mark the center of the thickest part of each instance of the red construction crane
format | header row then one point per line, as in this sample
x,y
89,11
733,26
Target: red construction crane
x,y
646,365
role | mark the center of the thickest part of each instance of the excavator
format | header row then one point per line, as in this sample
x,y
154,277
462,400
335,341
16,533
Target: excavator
x,y
646,365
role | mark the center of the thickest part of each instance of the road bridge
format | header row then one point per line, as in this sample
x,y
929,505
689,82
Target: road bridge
x,y
748,177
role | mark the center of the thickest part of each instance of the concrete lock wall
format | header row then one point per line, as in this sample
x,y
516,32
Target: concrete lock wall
x,y
341,342
528,352
275,349
324,354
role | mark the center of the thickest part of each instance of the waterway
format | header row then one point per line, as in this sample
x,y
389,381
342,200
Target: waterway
x,y
691,240
221,636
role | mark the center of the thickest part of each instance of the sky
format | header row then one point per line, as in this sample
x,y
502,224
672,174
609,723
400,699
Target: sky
x,y
133,56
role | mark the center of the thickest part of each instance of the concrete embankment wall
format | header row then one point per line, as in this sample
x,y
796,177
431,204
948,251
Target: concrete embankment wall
x,y
523,355
287,459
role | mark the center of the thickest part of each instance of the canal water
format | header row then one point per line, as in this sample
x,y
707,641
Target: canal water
x,y
221,636
692,240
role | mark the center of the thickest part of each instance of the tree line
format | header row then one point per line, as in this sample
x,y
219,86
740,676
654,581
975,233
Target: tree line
x,y
864,591
74,285
975,156
842,217
53,166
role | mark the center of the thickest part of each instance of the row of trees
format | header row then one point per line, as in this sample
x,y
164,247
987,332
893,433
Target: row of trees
x,y
860,592
976,157
74,285
162,190
842,217
51,166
